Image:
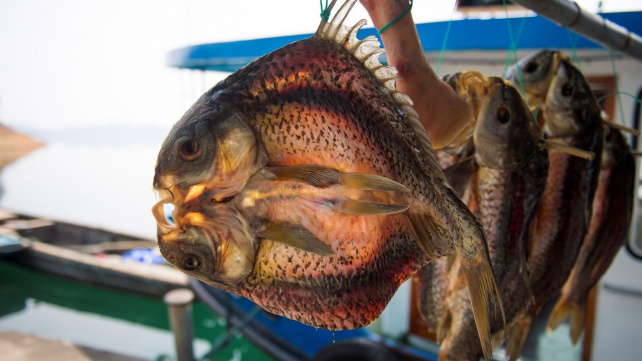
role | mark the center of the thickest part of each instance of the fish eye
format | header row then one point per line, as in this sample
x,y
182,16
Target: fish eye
x,y
531,67
189,150
191,262
503,115
567,90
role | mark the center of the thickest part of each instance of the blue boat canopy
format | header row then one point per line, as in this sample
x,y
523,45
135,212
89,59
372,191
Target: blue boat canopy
x,y
534,32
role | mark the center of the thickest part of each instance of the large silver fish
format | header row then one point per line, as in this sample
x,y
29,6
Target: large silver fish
x,y
306,183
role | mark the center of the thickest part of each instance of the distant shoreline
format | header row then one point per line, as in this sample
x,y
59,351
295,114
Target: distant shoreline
x,y
14,145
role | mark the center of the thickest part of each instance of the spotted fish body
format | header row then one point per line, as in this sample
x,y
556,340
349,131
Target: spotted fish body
x,y
573,118
306,183
507,178
612,210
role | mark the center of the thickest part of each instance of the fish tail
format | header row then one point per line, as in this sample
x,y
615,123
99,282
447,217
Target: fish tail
x,y
473,254
578,320
517,336
565,309
474,258
483,291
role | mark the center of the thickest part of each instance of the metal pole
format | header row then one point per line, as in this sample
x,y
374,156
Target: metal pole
x,y
179,304
570,14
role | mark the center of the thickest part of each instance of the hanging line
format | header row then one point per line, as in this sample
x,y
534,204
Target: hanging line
x,y
617,86
514,49
569,33
519,35
395,19
443,44
325,12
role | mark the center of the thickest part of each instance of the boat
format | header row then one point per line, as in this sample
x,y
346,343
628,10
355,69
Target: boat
x,y
88,254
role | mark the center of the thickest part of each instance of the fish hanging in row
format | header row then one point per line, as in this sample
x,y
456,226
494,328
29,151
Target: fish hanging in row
x,y
502,183
305,182
573,118
608,230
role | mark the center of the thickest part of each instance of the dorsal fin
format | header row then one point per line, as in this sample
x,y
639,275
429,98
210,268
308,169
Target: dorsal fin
x,y
368,51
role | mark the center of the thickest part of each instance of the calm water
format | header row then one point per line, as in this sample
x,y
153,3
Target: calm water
x,y
90,179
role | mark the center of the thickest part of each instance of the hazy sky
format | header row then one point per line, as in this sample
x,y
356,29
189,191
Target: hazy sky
x,y
101,62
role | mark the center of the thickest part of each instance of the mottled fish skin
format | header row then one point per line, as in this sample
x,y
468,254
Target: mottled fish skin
x,y
508,181
612,210
573,118
323,101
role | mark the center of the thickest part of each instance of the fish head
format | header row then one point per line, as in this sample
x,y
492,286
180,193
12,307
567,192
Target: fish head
x,y
536,72
213,147
210,243
506,131
570,102
204,163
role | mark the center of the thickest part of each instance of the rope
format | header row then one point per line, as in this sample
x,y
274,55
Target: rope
x,y
513,46
396,19
612,55
443,44
325,12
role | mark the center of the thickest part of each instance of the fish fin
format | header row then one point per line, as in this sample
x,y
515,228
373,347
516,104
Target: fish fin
x,y
368,51
578,321
445,323
483,291
517,336
314,175
426,232
565,309
359,208
321,177
460,174
296,236
371,182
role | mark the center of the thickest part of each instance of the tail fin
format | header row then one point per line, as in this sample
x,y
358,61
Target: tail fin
x,y
483,291
475,262
517,336
565,309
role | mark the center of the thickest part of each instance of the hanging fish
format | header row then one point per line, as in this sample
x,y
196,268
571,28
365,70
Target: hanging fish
x,y
612,209
507,175
306,183
535,72
573,118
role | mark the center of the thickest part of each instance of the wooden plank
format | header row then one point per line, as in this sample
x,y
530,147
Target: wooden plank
x,y
17,346
110,270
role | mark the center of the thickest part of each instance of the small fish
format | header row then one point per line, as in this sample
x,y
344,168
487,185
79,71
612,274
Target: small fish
x,y
507,175
612,209
306,183
535,72
573,118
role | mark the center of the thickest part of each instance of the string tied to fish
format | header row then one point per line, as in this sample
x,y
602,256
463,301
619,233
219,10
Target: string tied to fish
x,y
325,12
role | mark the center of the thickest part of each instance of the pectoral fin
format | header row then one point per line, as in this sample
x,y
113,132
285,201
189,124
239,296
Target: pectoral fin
x,y
296,236
321,177
358,208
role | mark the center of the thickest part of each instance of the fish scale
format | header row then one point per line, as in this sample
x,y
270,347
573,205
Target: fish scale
x,y
320,123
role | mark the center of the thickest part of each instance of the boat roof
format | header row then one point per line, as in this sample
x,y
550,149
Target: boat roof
x,y
531,32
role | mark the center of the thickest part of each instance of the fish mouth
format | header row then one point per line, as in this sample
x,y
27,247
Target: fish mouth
x,y
214,225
